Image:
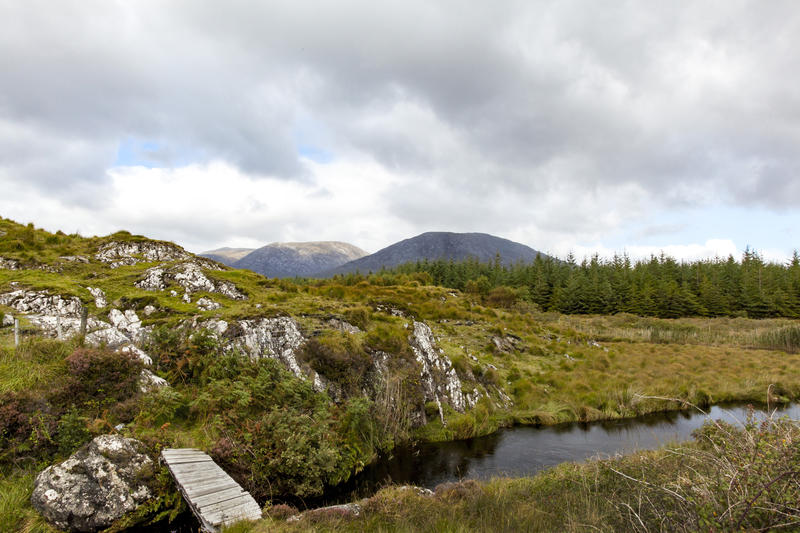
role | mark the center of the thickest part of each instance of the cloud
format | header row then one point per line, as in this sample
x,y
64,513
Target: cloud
x,y
549,123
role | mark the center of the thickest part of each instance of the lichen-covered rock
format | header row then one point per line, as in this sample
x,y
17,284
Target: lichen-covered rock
x,y
104,334
153,279
74,258
343,326
9,264
127,322
278,338
94,487
99,297
42,303
439,379
344,510
149,381
8,320
207,304
190,276
138,352
118,254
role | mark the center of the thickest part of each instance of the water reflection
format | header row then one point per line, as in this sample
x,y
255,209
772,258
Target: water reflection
x,y
526,450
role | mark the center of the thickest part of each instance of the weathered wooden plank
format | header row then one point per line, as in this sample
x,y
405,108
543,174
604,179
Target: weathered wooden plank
x,y
184,460
218,507
214,497
172,457
179,452
219,496
245,511
199,477
208,489
196,465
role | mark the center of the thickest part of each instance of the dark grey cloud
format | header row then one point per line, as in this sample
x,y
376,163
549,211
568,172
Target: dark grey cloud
x,y
673,103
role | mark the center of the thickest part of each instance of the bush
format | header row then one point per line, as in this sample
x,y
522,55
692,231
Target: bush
x,y
390,338
99,373
72,432
504,297
361,317
280,511
339,357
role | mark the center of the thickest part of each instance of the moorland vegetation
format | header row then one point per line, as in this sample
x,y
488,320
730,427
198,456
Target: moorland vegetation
x,y
284,440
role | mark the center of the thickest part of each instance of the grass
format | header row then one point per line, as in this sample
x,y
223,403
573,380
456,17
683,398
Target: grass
x,y
16,512
33,365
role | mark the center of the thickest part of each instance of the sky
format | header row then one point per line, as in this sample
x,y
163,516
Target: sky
x,y
583,126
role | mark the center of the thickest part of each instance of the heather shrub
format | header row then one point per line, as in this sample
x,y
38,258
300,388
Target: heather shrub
x,y
103,374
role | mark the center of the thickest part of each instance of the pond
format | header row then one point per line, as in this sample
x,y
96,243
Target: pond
x,y
525,450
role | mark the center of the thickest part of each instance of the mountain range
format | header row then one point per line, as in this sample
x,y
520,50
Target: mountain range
x,y
289,259
439,245
328,258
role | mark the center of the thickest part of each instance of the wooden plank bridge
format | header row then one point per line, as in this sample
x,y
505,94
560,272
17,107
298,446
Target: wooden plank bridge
x,y
214,497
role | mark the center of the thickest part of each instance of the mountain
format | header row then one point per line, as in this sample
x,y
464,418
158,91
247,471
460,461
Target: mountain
x,y
290,259
440,245
227,256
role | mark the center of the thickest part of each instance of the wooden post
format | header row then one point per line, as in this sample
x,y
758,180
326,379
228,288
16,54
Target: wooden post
x,y
84,315
16,331
58,327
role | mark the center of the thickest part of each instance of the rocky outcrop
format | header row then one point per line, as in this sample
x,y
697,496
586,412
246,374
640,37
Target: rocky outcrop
x,y
438,377
94,487
149,381
99,297
42,303
278,338
57,315
341,511
74,259
207,304
343,326
117,254
9,264
507,343
190,276
127,322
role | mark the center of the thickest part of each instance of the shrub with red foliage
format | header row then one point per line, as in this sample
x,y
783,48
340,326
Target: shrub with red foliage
x,y
103,373
281,511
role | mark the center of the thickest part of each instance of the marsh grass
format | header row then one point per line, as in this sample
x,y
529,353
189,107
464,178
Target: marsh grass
x,y
740,332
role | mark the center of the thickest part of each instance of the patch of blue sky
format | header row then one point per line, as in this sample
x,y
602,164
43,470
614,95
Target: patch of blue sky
x,y
310,139
758,228
153,154
314,153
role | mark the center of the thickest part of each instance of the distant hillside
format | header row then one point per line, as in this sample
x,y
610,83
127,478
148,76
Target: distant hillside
x,y
227,256
290,259
440,245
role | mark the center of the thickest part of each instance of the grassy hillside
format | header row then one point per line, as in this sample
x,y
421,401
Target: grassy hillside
x,y
284,440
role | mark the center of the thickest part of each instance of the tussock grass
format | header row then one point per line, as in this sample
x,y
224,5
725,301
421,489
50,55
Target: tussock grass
x,y
36,363
16,513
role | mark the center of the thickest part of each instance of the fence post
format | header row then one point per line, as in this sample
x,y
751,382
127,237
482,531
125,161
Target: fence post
x,y
84,315
58,327
16,331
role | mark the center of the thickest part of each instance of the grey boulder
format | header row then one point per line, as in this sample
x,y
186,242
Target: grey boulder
x,y
94,487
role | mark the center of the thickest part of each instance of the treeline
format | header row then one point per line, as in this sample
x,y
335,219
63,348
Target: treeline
x,y
660,286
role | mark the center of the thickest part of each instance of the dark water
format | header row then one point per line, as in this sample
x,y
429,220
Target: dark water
x,y
525,450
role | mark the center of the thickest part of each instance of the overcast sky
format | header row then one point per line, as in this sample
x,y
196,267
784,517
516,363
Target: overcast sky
x,y
584,126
